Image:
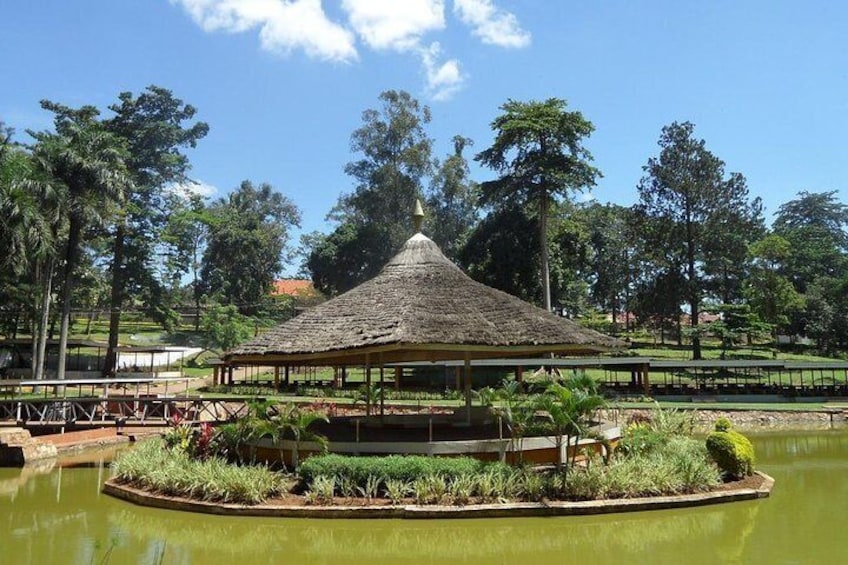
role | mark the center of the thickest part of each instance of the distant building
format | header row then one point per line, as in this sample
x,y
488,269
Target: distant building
x,y
299,288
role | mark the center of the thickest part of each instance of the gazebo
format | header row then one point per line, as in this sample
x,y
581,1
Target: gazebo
x,y
420,307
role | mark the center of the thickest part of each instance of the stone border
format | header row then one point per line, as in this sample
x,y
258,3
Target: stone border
x,y
510,510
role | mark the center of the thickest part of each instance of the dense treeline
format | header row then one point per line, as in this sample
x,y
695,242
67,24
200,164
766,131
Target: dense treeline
x,y
693,256
99,215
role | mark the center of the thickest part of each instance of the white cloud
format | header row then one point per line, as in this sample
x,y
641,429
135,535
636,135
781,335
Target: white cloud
x,y
585,196
444,79
284,25
491,24
186,189
394,24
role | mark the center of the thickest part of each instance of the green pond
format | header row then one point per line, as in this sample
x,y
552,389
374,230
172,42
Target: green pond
x,y
58,515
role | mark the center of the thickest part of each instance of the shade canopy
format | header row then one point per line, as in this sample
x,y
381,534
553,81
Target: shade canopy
x,y
421,307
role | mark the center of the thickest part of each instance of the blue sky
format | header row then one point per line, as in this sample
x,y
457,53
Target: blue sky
x,y
282,83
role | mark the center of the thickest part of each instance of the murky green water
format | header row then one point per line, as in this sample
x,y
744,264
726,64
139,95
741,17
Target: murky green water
x,y
60,517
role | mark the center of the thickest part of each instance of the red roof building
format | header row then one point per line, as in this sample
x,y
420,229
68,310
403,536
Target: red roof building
x,y
294,287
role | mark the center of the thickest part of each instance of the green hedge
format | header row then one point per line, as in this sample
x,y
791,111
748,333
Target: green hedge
x,y
732,451
393,467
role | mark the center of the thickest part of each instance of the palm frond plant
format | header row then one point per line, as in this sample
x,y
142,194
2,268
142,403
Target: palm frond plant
x,y
296,422
568,407
517,412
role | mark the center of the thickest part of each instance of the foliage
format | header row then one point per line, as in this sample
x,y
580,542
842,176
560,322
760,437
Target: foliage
x,y
452,201
676,466
732,451
89,164
501,253
374,220
768,290
814,225
539,154
567,407
153,466
694,217
156,128
647,432
196,442
611,240
223,327
392,467
248,245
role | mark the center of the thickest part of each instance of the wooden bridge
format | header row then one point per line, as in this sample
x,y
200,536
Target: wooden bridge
x,y
104,402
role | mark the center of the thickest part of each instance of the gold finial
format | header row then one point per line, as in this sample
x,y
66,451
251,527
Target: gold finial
x,y
418,216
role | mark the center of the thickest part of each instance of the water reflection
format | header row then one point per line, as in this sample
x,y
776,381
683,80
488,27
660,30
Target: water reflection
x,y
61,517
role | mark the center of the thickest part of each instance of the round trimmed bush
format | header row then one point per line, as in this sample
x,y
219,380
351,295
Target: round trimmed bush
x,y
732,452
723,424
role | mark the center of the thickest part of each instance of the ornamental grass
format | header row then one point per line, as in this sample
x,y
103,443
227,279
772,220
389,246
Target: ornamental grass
x,y
154,467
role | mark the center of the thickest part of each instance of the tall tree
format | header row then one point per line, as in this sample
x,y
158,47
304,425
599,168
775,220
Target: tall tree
x,y
686,195
156,127
30,207
612,257
814,225
185,235
248,244
451,209
90,162
726,261
770,293
500,252
395,158
539,154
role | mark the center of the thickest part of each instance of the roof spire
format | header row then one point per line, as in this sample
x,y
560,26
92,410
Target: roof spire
x,y
417,216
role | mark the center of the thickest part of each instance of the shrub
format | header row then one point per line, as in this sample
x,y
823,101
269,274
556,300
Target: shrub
x,y
723,424
152,466
396,490
397,467
322,491
679,465
733,453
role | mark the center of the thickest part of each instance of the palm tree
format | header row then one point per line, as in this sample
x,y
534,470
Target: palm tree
x,y
516,410
89,163
29,234
296,421
568,407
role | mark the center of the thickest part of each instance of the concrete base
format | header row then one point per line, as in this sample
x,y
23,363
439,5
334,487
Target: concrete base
x,y
17,448
507,510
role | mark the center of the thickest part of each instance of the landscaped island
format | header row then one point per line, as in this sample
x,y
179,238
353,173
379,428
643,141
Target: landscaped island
x,y
656,457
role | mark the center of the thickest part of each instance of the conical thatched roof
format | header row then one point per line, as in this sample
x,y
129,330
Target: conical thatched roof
x,y
420,307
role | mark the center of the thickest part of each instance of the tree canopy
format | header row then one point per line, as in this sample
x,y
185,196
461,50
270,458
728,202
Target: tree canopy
x,y
539,154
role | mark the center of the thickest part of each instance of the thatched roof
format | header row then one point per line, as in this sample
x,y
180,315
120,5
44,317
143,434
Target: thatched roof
x,y
420,307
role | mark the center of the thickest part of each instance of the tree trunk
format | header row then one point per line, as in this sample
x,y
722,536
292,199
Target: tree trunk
x,y
35,327
115,299
543,247
694,295
74,232
45,320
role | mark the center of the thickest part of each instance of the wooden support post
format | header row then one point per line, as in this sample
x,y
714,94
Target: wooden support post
x,y
382,390
398,374
519,374
230,374
276,377
344,375
367,385
458,375
646,380
214,375
286,375
467,367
